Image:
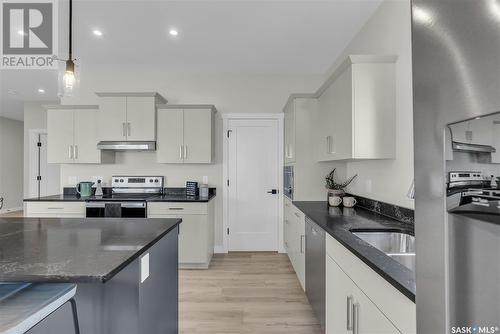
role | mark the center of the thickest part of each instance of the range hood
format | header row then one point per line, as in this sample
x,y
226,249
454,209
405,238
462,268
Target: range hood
x,y
127,145
472,148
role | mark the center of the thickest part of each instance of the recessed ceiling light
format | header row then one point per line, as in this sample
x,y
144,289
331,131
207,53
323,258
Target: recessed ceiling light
x,y
41,90
97,32
173,32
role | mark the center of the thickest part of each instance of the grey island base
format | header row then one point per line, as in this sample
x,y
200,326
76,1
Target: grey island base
x,y
126,270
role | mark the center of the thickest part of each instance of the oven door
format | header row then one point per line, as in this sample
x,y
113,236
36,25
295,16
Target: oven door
x,y
116,209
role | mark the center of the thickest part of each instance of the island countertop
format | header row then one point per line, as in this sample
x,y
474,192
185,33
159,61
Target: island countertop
x,y
74,249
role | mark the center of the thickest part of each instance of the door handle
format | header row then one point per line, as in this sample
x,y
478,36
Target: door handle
x,y
70,151
75,149
124,130
349,313
185,151
302,238
180,152
355,315
273,191
129,129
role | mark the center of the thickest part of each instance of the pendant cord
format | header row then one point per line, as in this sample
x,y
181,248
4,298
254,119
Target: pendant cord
x,y
70,56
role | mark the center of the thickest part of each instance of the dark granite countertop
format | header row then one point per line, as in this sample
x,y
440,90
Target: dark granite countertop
x,y
159,198
74,249
339,221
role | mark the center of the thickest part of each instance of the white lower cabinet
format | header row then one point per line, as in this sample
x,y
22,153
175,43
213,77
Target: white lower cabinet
x,y
196,232
348,309
294,232
358,300
54,209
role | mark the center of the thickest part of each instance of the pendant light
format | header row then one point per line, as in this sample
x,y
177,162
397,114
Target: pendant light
x,y
69,78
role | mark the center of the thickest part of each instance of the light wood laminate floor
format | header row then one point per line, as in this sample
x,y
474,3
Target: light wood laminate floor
x,y
13,214
245,293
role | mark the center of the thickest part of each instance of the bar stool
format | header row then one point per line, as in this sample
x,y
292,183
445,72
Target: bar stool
x,y
24,305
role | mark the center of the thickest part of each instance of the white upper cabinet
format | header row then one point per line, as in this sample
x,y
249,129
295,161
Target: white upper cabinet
x,y
185,134
356,117
289,127
128,116
72,135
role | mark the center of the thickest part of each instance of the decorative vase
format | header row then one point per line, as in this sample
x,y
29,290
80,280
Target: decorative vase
x,y
334,192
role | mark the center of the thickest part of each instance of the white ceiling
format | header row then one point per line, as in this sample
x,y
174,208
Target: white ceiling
x,y
257,37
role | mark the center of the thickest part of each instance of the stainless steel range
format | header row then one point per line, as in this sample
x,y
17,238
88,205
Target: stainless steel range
x,y
128,199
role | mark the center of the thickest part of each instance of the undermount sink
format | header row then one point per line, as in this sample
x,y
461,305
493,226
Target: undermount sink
x,y
399,246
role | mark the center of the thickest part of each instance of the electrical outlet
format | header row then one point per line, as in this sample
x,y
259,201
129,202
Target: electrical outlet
x,y
368,186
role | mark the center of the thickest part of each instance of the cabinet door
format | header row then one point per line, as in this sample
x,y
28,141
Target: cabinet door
x,y
86,136
369,318
192,239
495,157
60,125
337,294
197,136
334,138
347,306
301,253
141,118
170,136
290,132
340,144
112,119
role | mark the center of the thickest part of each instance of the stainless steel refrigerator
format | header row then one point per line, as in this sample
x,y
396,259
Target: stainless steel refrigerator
x,y
456,79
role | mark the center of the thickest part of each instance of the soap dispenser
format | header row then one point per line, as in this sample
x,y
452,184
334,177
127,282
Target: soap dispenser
x,y
493,182
98,189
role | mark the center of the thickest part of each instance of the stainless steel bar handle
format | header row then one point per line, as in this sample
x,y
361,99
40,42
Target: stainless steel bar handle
x,y
185,151
133,205
355,315
349,313
124,130
129,129
176,208
75,150
180,152
302,239
70,151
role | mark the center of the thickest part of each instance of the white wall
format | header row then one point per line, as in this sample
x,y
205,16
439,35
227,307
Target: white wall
x,y
11,163
230,93
388,32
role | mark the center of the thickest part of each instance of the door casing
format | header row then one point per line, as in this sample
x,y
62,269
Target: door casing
x,y
225,161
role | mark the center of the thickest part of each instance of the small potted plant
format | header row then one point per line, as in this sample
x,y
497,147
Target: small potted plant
x,y
335,188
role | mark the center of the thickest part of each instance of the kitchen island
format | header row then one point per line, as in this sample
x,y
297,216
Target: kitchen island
x,y
126,269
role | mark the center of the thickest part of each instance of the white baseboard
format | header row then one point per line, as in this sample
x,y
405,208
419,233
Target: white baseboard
x,y
219,249
11,210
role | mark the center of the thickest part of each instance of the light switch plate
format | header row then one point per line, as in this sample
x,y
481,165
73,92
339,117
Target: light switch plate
x,y
144,267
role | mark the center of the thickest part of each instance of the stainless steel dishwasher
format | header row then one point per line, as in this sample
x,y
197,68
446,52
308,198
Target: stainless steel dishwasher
x,y
315,269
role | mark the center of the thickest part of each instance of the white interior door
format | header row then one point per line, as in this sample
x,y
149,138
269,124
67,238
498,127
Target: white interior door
x,y
253,169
